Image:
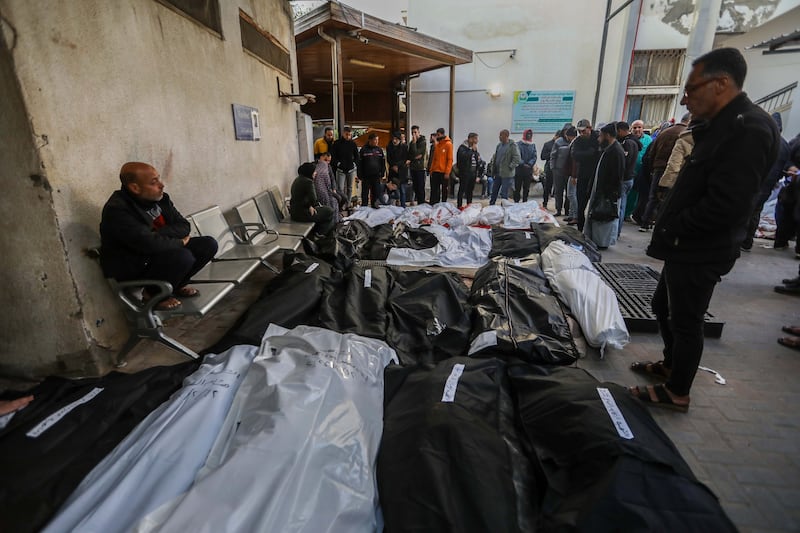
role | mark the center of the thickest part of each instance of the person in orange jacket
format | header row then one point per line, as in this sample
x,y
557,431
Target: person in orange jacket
x,y
441,165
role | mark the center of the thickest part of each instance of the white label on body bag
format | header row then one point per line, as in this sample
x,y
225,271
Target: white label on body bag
x,y
621,425
53,419
450,386
368,278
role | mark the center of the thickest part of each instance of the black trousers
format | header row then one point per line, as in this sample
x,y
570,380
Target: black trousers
x,y
418,179
680,303
369,187
522,182
438,187
584,191
179,265
547,184
787,224
755,218
465,189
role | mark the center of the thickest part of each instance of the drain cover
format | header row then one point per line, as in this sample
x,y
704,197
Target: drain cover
x,y
634,286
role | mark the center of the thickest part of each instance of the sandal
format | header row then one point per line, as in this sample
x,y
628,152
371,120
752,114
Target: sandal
x,y
662,398
186,292
790,342
656,369
791,330
168,304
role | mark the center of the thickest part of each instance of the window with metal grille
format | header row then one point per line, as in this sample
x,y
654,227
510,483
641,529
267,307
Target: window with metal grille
x,y
652,109
656,68
263,45
206,12
780,100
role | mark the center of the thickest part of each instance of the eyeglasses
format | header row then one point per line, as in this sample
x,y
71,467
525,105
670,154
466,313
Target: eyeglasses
x,y
693,87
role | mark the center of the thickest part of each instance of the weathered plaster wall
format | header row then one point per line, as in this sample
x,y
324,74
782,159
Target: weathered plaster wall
x,y
109,82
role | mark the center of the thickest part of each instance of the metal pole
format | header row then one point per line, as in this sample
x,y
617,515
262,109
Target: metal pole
x,y
452,99
340,71
334,78
600,63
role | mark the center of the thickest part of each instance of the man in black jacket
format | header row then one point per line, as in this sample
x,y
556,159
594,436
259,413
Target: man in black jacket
x,y
703,219
585,151
344,161
396,157
371,168
417,149
547,174
631,146
143,236
305,206
469,165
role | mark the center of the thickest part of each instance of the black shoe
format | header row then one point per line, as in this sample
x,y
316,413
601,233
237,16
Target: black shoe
x,y
558,214
745,249
794,290
635,220
791,282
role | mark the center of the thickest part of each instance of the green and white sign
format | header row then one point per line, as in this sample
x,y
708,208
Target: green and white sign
x,y
542,111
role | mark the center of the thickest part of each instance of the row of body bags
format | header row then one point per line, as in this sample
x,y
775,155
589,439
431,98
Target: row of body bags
x,y
311,431
512,307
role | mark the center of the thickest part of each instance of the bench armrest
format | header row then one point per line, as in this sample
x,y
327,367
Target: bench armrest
x,y
136,305
248,227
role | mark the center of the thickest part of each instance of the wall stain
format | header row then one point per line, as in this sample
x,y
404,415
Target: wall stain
x,y
41,181
57,39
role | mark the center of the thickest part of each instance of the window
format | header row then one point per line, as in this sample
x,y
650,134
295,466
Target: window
x,y
656,68
263,45
650,109
206,12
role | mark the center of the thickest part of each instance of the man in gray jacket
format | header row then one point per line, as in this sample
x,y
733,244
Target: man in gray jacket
x,y
504,166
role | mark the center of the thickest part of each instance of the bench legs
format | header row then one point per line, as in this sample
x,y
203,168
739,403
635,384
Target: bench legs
x,y
154,334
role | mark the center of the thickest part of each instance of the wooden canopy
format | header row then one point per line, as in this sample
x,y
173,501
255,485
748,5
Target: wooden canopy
x,y
374,59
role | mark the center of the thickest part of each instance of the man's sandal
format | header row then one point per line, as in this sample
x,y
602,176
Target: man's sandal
x,y
168,304
186,292
657,396
790,342
791,330
655,369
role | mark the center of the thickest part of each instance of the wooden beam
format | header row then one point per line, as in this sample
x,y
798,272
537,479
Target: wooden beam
x,y
452,99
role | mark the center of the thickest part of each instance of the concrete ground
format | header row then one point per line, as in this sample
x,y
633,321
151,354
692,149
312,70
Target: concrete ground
x,y
741,439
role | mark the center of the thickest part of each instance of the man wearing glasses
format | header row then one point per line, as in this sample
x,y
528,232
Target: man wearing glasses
x,y
704,217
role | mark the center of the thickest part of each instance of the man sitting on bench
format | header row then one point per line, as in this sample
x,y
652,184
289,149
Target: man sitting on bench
x,y
305,206
143,236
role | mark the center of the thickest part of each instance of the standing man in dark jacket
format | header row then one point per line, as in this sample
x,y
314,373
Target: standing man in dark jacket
x,y
524,173
371,168
397,157
703,219
416,162
143,236
547,173
631,146
468,164
603,206
344,161
585,152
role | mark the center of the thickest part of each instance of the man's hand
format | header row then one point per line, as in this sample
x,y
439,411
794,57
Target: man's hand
x,y
14,405
573,181
312,211
408,162
185,240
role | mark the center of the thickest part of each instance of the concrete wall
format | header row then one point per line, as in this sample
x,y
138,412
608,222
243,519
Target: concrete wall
x,y
556,49
771,72
94,84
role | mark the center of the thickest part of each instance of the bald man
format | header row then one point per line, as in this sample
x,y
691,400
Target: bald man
x,y
143,236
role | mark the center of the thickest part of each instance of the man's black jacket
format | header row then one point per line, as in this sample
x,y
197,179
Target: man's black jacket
x,y
344,155
585,153
127,236
705,215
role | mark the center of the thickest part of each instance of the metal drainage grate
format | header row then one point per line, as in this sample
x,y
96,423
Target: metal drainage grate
x,y
634,286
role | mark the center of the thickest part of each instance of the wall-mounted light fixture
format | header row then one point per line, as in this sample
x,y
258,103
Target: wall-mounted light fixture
x,y
495,91
368,64
301,99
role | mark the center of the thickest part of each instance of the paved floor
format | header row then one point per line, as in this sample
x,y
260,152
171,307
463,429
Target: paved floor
x,y
741,439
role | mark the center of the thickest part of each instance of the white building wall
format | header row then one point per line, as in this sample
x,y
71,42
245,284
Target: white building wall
x,y
771,72
130,80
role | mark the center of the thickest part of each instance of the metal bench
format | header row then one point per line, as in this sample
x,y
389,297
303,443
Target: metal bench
x,y
211,222
258,230
271,213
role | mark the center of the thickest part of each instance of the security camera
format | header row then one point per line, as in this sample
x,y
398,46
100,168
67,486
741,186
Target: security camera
x,y
364,40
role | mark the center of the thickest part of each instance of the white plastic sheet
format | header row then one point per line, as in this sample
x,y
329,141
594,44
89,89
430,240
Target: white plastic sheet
x,y
461,247
520,216
303,454
443,212
162,455
376,217
415,216
468,217
491,215
591,301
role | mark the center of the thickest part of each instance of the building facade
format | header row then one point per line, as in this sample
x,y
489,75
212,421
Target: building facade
x,y
86,86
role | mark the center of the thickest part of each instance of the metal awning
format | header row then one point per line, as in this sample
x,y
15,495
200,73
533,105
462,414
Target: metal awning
x,y
375,57
778,44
